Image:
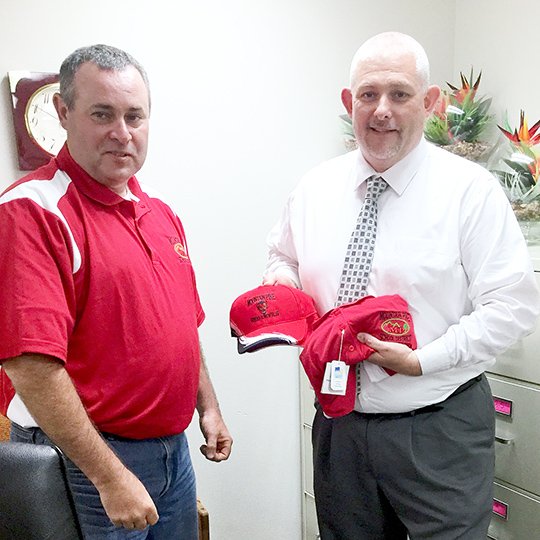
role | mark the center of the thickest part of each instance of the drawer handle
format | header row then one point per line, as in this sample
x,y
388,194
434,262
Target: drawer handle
x,y
502,440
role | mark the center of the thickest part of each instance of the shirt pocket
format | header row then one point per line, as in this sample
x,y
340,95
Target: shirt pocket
x,y
419,263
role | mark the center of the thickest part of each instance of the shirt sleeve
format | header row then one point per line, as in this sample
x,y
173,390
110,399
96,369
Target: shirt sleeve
x,y
502,288
282,257
37,287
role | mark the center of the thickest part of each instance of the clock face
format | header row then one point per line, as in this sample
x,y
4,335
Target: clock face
x,y
42,121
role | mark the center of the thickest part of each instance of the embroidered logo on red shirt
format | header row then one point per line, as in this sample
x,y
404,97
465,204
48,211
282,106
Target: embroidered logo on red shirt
x,y
396,327
178,247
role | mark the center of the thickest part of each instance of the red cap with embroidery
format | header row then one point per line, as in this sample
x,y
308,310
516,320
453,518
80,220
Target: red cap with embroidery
x,y
334,338
272,315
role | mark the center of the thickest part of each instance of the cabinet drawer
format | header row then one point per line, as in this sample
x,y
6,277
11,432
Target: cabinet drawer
x,y
307,460
522,360
518,432
516,514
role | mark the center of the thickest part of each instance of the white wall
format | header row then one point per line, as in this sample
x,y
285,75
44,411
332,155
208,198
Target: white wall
x,y
245,99
501,38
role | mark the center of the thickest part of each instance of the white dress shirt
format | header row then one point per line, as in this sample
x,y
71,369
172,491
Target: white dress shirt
x,y
447,241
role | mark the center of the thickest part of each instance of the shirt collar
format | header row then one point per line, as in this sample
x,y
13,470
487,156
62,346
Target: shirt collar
x,y
88,185
399,175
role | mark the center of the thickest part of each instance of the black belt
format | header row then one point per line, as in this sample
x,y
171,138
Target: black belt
x,y
421,410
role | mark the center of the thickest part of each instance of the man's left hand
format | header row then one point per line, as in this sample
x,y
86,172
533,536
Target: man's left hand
x,y
218,439
395,356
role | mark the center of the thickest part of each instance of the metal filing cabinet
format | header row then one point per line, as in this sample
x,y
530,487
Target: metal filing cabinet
x,y
307,412
515,385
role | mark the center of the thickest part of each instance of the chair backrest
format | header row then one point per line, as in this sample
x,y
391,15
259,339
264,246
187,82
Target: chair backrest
x,y
35,500
5,426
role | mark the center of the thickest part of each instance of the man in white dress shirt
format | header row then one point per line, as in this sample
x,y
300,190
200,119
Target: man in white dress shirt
x,y
416,457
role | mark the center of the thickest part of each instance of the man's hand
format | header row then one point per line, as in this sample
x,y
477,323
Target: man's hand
x,y
127,503
273,279
218,439
395,356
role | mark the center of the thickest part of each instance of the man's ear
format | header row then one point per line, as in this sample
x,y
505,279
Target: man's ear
x,y
346,99
61,109
430,100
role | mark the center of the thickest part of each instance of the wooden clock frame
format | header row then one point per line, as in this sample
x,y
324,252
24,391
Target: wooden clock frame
x,y
23,85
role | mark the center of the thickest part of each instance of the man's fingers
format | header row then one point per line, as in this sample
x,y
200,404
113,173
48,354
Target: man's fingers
x,y
138,523
220,452
273,279
152,517
369,340
208,450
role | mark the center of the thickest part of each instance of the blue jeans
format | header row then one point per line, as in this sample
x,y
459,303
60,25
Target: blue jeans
x,y
163,465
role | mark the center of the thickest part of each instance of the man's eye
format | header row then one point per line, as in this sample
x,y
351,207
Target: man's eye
x,y
400,96
367,96
133,118
100,115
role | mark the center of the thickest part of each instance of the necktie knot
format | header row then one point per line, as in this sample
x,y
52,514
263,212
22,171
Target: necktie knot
x,y
375,186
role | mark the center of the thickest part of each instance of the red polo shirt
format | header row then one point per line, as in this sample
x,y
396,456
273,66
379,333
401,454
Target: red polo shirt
x,y
105,285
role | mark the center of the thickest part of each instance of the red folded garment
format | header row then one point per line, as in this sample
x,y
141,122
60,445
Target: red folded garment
x,y
385,317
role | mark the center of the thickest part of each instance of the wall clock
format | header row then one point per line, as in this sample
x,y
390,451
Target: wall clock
x,y
38,132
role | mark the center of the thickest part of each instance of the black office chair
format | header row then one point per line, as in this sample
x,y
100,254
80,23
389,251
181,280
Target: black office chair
x,y
35,500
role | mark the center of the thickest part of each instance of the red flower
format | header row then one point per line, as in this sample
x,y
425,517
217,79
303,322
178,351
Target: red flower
x,y
462,93
524,136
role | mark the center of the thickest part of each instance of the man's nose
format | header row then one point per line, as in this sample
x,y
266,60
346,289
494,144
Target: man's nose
x,y
384,109
120,131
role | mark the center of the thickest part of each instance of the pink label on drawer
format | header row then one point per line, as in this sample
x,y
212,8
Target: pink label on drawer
x,y
500,509
502,406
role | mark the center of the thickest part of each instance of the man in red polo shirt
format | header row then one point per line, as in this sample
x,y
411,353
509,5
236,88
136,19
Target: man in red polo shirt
x,y
100,312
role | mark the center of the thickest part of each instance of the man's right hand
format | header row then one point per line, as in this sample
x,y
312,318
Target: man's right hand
x,y
127,503
273,279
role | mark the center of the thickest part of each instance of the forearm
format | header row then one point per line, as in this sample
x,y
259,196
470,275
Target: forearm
x,y
483,334
282,265
206,396
50,396
217,437
281,270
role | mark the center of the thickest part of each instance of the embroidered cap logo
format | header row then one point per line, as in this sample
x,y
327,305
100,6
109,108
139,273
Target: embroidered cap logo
x,y
262,306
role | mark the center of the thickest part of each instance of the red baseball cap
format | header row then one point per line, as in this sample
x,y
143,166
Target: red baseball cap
x,y
385,317
272,315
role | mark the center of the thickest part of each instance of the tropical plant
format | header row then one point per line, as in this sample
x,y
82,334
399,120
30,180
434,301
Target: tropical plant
x,y
460,115
519,171
348,133
347,125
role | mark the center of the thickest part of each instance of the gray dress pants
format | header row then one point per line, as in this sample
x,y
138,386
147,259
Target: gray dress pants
x,y
427,474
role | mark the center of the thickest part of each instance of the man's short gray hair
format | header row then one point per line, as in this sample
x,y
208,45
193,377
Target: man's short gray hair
x,y
379,44
105,57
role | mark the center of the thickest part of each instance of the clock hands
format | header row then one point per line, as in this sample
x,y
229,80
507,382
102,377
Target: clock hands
x,y
37,107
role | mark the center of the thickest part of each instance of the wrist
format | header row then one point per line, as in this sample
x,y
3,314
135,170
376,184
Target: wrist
x,y
414,362
209,412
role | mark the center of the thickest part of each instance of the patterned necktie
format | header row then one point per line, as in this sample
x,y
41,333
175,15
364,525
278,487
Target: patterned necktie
x,y
357,266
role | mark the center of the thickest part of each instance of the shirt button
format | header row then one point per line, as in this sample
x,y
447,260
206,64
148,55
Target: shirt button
x,y
351,347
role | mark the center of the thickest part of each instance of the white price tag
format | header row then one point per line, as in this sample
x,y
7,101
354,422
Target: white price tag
x,y
335,378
